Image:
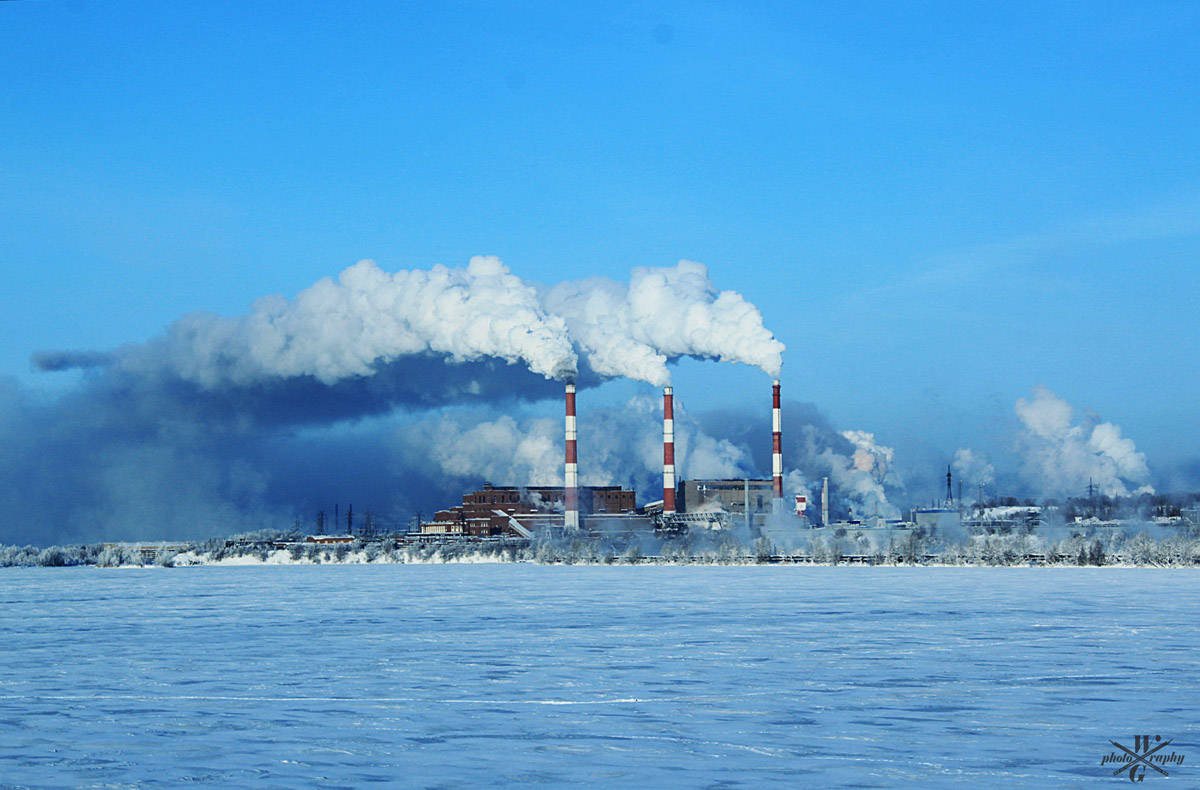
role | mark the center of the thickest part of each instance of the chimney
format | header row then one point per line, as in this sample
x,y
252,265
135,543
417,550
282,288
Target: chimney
x,y
776,443
571,491
668,451
825,502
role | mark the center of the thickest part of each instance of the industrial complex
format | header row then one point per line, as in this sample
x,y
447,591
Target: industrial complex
x,y
753,508
513,511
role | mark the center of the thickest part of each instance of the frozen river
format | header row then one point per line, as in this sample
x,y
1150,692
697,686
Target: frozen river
x,y
465,676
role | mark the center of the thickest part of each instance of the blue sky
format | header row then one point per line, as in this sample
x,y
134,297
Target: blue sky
x,y
937,206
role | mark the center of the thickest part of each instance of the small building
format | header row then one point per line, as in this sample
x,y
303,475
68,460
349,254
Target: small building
x,y
932,518
325,540
518,512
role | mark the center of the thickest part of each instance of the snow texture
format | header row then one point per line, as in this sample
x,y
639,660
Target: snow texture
x,y
511,675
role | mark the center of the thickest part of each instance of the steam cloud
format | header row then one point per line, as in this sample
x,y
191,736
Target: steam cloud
x,y
365,319
862,477
973,468
1060,457
619,446
227,424
663,314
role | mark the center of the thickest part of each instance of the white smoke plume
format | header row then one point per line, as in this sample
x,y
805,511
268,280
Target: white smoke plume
x,y
862,477
869,456
500,451
616,447
345,328
662,315
973,468
1061,457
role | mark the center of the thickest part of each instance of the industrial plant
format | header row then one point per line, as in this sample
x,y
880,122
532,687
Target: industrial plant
x,y
743,509
524,511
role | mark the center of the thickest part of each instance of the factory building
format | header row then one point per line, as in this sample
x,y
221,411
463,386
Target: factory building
x,y
739,497
509,511
716,504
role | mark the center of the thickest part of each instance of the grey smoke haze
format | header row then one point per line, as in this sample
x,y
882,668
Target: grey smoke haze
x,y
972,468
68,360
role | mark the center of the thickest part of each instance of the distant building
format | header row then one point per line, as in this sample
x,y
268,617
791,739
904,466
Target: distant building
x,y
722,503
736,496
934,517
510,511
329,539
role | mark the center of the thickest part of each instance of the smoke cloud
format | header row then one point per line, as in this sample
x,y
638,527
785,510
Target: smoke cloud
x,y
663,314
617,446
862,478
226,424
68,360
349,327
1061,457
973,468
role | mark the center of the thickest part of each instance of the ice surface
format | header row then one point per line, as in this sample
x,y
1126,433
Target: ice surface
x,y
472,676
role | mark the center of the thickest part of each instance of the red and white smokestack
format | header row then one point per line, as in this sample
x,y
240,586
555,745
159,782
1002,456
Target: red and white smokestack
x,y
668,451
776,442
571,491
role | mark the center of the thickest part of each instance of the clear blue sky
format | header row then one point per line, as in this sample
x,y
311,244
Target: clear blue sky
x,y
935,205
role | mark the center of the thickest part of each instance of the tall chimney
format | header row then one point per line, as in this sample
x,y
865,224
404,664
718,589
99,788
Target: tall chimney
x,y
776,443
571,492
825,502
668,451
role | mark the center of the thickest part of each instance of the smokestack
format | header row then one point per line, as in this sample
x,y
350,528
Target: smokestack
x,y
825,502
776,443
571,491
668,451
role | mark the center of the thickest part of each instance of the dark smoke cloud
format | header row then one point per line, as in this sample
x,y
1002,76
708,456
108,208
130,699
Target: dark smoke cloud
x,y
128,456
51,361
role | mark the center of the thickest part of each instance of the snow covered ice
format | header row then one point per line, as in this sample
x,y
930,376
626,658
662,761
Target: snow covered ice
x,y
464,676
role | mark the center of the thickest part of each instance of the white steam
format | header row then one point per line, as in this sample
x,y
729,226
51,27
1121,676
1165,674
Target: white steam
x,y
973,468
861,477
499,451
369,322
616,447
662,315
860,471
1061,458
345,328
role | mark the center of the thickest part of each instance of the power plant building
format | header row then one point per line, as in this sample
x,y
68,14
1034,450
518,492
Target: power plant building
x,y
738,497
511,511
